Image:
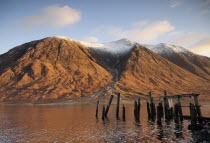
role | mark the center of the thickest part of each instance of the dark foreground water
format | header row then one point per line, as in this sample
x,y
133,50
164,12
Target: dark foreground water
x,y
77,123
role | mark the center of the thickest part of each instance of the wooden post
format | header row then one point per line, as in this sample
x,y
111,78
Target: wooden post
x,y
161,109
97,109
159,122
107,109
103,112
171,112
152,107
135,110
180,113
178,105
176,113
165,105
118,105
198,109
148,111
192,114
123,115
138,109
179,108
170,108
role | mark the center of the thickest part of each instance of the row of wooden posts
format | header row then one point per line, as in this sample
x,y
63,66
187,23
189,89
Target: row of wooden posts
x,y
105,110
164,109
175,112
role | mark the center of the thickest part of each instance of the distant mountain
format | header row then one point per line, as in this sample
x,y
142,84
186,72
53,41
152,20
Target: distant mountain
x,y
144,70
197,64
58,69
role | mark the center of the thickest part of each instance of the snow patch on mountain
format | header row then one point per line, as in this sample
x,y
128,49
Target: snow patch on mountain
x,y
116,47
166,48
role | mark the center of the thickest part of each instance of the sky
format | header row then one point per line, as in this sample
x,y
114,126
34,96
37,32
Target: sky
x,y
184,23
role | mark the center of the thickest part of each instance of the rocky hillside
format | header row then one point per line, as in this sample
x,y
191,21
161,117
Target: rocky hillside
x,y
58,69
144,71
51,69
197,64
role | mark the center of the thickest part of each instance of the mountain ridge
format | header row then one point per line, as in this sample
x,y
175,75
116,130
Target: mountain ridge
x,y
56,69
197,64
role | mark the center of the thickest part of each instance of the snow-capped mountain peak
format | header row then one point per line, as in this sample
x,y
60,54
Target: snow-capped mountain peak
x,y
124,45
166,48
116,47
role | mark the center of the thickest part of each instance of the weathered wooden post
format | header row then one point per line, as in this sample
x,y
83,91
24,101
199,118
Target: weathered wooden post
x,y
148,111
165,105
159,122
180,113
161,109
179,108
170,108
152,107
103,112
107,108
118,105
192,114
138,108
123,115
135,110
97,109
197,106
176,113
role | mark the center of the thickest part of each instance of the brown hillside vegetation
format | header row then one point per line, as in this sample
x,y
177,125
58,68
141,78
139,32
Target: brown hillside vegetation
x,y
197,64
51,69
147,71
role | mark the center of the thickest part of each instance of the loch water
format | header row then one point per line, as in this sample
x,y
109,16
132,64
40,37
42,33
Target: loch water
x,y
77,123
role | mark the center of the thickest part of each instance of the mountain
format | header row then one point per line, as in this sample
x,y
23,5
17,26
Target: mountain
x,y
56,69
197,64
144,70
50,70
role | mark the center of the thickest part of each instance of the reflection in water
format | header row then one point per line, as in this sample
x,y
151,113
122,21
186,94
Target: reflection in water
x,y
165,132
77,123
178,130
160,132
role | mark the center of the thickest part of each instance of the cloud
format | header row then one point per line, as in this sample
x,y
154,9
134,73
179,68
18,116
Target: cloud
x,y
202,47
91,39
53,17
175,3
142,31
196,42
185,39
175,33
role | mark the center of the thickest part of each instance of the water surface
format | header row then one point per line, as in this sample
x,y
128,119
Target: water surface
x,y
77,123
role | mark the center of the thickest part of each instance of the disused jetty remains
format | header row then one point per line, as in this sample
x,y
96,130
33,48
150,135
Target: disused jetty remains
x,y
168,111
164,110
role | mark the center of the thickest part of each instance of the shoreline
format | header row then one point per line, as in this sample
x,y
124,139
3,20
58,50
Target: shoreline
x,y
82,102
